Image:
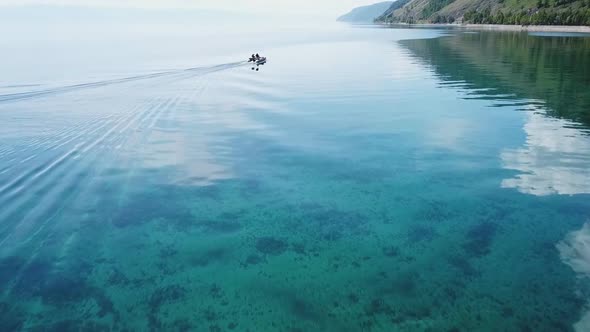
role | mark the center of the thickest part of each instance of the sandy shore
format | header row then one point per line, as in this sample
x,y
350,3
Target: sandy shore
x,y
538,28
499,27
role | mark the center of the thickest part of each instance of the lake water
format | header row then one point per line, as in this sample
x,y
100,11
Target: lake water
x,y
364,179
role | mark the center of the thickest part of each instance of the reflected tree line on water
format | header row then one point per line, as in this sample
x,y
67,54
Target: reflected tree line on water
x,y
554,70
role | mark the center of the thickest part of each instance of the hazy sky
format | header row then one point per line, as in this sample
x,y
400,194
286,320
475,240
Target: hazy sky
x,y
329,8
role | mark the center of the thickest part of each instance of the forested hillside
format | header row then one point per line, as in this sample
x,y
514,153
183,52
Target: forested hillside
x,y
522,12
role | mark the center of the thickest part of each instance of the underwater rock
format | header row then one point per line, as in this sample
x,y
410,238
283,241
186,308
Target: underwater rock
x,y
210,315
11,319
376,307
151,206
164,295
9,267
420,233
271,246
330,224
507,312
404,284
353,298
435,211
168,252
72,325
390,251
462,264
210,256
480,238
59,290
215,291
159,297
299,249
32,278
303,309
223,227
254,260
182,325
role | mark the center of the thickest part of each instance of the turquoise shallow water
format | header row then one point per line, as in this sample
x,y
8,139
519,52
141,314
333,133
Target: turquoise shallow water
x,y
402,179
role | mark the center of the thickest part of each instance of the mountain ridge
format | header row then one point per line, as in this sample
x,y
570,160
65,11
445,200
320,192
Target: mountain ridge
x,y
365,14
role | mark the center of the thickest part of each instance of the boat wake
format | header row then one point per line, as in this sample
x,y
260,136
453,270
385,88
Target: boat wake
x,y
57,145
194,71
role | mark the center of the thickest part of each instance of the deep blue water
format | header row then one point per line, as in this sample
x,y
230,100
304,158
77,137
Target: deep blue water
x,y
365,179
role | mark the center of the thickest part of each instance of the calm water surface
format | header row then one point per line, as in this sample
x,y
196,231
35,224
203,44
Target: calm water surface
x,y
365,179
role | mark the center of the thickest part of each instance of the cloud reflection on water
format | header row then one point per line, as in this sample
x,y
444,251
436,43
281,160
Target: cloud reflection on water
x,y
553,160
574,251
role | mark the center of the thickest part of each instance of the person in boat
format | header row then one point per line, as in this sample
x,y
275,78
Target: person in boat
x,y
253,57
257,56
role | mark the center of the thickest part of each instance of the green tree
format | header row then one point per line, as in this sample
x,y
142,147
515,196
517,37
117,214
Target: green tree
x,y
524,19
487,16
499,19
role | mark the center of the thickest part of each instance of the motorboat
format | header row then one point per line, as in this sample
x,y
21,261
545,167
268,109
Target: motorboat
x,y
258,61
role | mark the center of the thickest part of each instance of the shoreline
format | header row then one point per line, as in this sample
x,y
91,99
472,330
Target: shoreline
x,y
533,28
501,27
